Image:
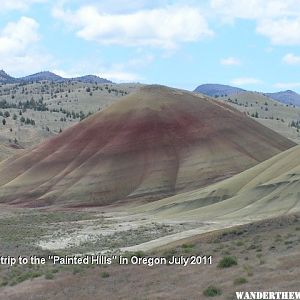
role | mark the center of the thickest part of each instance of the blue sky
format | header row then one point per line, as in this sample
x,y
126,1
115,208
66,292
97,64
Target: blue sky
x,y
252,44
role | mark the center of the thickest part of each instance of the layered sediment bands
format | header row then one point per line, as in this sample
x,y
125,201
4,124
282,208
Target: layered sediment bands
x,y
267,190
154,143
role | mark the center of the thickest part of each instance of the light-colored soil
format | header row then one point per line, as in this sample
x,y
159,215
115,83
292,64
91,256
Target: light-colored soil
x,y
85,231
268,189
267,254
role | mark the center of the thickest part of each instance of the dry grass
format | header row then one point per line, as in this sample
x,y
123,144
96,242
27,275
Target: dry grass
x,y
273,114
280,271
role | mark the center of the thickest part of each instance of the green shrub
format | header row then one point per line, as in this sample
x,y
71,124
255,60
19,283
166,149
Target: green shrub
x,y
261,261
248,270
104,275
49,275
185,246
212,291
240,280
138,254
169,254
4,282
24,276
227,262
78,269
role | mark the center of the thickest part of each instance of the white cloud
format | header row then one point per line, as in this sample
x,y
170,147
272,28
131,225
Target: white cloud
x,y
276,19
17,36
18,51
140,61
282,31
114,72
120,76
287,85
30,62
291,59
255,9
245,81
161,27
126,6
113,75
66,74
230,61
18,4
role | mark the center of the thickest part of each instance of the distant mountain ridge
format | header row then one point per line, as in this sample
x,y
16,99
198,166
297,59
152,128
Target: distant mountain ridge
x,y
5,78
49,76
287,97
41,76
91,79
212,90
219,90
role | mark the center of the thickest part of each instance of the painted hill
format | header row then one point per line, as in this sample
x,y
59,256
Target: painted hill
x,y
213,90
154,143
287,97
268,189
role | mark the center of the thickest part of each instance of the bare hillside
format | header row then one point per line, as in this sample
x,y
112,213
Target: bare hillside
x,y
154,143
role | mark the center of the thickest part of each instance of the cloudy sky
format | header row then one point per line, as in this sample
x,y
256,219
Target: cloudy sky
x,y
253,44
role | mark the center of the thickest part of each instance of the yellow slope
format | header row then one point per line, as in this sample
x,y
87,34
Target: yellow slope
x,y
268,189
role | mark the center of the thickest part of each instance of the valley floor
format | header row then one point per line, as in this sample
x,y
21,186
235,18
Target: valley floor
x,y
266,253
